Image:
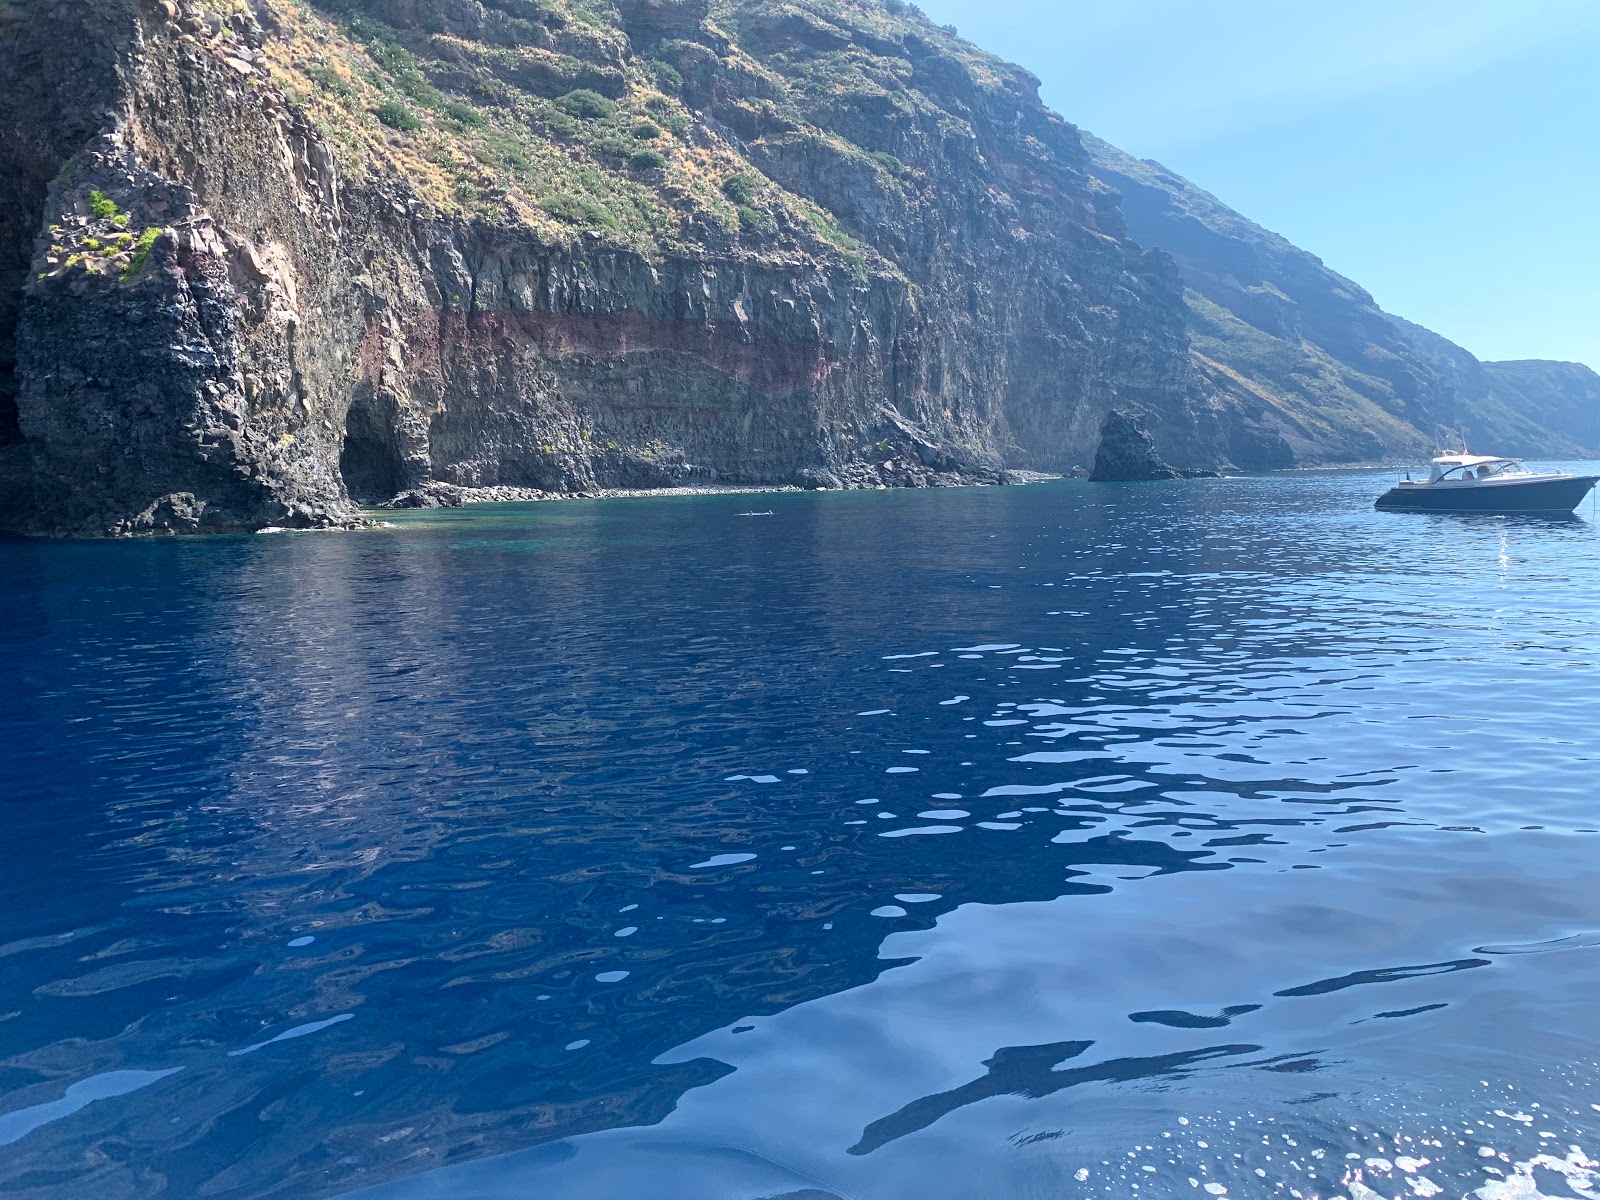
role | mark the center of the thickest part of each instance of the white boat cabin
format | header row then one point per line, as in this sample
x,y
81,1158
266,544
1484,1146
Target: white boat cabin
x,y
1473,468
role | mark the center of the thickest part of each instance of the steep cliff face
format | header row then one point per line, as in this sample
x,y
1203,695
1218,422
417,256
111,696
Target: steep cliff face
x,y
262,261
1308,358
48,65
266,262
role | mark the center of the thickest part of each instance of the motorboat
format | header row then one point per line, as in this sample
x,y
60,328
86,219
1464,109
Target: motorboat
x,y
1479,483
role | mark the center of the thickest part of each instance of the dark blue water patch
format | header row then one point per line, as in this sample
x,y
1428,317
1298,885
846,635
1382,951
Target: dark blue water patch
x,y
1385,975
393,855
1178,1019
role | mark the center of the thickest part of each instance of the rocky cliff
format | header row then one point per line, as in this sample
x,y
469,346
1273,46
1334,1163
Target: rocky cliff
x,y
262,261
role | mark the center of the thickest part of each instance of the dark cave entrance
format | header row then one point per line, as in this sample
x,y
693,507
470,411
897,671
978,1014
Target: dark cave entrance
x,y
369,460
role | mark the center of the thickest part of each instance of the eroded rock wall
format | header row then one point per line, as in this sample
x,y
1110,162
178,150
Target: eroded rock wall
x,y
219,328
262,263
60,62
163,375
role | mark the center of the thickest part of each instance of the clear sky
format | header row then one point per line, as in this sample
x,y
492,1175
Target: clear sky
x,y
1445,154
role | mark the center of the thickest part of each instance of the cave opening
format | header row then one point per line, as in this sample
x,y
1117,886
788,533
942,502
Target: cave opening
x,y
369,460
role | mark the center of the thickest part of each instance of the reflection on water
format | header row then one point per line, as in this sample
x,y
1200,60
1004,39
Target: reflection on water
x,y
1222,837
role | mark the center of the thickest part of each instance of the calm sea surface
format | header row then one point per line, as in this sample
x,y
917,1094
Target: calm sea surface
x,y
1194,839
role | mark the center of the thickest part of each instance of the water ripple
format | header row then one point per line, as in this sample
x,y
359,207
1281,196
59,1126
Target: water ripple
x,y
321,846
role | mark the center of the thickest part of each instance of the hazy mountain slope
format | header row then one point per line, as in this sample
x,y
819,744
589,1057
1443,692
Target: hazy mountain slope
x,y
1492,412
1563,397
1344,380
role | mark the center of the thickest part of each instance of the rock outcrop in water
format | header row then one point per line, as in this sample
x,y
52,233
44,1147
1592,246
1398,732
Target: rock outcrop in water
x,y
1126,453
262,262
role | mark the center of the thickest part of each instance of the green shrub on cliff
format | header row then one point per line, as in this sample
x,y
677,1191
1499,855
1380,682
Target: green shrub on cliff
x,y
666,75
586,105
465,114
506,151
648,160
397,116
102,206
889,163
577,210
741,189
557,121
616,147
141,252
329,80
823,223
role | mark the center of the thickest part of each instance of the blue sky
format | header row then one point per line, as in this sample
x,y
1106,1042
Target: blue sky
x,y
1444,155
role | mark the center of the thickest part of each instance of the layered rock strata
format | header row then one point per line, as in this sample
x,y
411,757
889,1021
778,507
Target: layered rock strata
x,y
247,303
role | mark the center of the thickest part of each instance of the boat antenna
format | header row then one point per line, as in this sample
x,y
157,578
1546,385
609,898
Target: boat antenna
x,y
1443,435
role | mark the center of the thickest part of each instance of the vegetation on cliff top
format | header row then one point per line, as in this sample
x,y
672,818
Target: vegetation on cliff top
x,y
630,121
548,120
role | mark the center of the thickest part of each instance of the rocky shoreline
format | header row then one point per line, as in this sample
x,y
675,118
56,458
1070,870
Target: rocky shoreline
x,y
442,495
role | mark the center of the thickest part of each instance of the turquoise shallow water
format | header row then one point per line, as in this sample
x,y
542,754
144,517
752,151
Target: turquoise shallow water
x,y
1205,838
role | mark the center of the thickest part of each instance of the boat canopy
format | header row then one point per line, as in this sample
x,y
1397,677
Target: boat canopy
x,y
1488,465
1471,460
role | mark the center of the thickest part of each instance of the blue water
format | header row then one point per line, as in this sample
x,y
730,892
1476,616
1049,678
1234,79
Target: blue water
x,y
1206,838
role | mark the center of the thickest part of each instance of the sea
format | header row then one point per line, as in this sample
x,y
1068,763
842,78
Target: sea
x,y
1196,838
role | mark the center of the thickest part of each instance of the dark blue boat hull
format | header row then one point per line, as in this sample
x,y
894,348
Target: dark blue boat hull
x,y
1542,496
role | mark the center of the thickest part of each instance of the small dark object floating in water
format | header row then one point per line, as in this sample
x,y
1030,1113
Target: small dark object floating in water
x,y
1477,483
768,513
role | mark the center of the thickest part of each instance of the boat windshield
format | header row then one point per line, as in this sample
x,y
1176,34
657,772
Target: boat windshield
x,y
1461,470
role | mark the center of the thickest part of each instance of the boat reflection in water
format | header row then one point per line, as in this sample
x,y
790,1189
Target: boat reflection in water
x,y
1477,483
